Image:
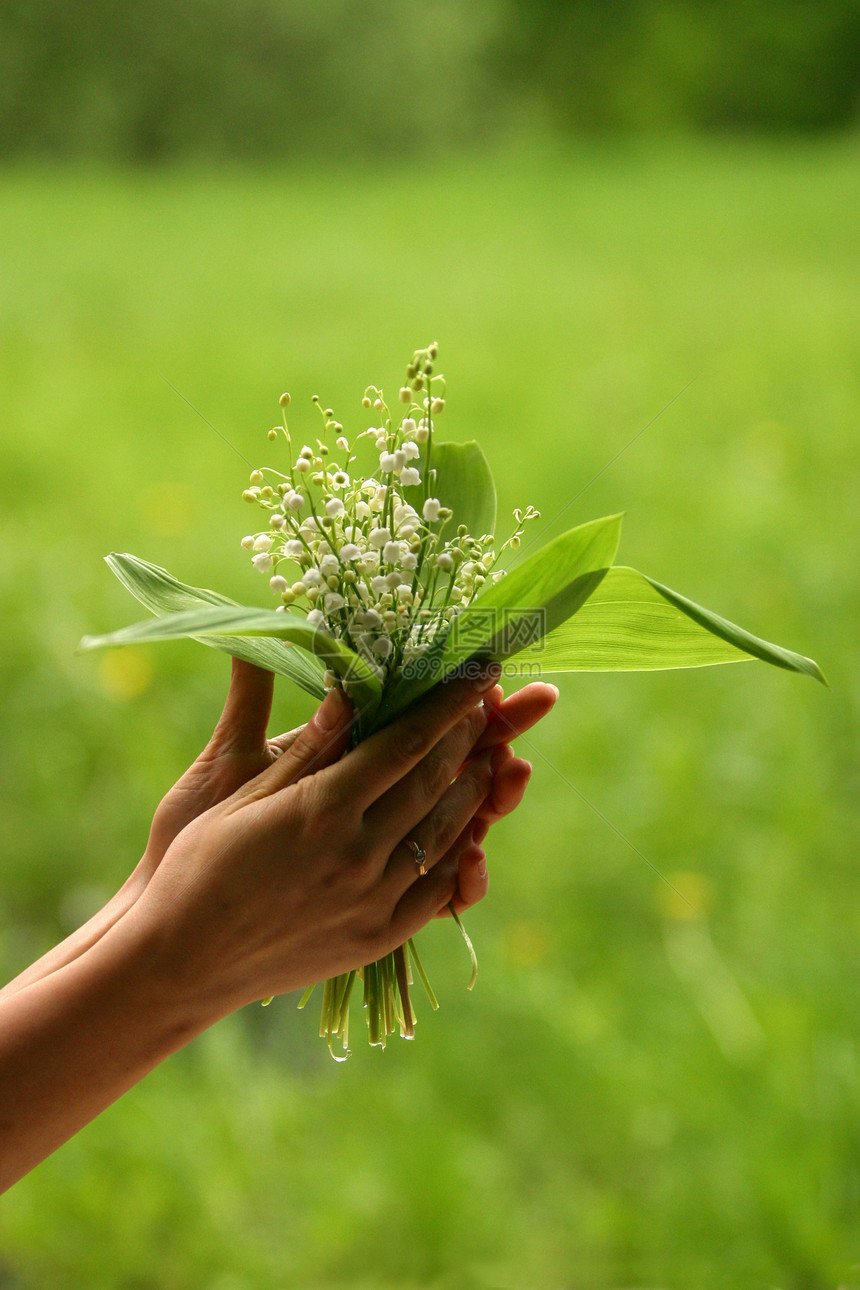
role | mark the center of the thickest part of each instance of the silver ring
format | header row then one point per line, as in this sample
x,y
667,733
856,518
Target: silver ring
x,y
418,854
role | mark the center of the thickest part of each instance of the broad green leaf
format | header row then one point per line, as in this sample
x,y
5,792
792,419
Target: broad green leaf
x,y
531,600
461,478
360,681
632,623
161,593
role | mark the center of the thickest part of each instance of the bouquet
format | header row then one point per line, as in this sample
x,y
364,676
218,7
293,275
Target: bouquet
x,y
386,584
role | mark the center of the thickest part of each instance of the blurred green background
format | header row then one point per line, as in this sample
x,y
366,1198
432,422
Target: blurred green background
x,y
593,208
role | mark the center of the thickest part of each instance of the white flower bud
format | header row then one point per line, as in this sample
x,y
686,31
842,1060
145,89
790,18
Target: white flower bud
x,y
329,564
295,501
444,562
333,601
362,510
277,520
262,562
378,585
312,578
293,549
298,589
387,462
409,477
278,583
247,543
262,543
409,561
382,647
393,579
349,551
407,425
303,465
406,532
399,460
256,476
334,506
410,451
437,406
391,552
378,537
404,594
405,395
422,434
343,444
372,618
315,618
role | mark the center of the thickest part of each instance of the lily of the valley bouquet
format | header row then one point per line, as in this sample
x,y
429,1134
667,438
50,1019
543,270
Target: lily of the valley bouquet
x,y
387,584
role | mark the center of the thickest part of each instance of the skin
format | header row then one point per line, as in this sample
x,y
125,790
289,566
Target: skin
x,y
271,864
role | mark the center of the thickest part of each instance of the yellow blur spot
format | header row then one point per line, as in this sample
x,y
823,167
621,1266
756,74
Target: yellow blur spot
x,y
167,508
125,673
690,896
526,943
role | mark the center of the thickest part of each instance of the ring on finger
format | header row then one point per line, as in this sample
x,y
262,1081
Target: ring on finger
x,y
418,854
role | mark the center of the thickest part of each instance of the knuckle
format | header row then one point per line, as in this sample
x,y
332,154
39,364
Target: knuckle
x,y
413,741
435,774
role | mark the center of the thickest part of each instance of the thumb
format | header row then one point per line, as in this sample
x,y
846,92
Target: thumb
x,y
242,725
320,743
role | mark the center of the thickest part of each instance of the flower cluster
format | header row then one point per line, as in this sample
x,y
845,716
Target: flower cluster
x,y
375,562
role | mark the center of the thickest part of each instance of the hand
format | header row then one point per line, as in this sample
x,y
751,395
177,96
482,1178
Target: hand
x,y
292,880
240,750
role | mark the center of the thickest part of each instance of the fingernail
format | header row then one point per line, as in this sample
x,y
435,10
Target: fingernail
x,y
555,688
331,712
487,676
482,866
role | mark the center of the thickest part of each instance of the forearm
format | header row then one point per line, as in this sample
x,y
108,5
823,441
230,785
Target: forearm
x,y
72,1043
81,940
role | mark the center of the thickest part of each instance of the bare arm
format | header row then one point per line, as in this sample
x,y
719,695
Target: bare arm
x,y
243,904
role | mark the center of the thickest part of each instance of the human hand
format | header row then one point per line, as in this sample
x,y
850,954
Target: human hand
x,y
291,880
239,750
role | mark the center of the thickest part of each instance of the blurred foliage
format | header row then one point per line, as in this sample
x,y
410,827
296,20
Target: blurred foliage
x,y
651,1085
280,78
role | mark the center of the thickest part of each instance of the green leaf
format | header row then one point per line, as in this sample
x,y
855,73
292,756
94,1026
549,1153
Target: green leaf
x,y
161,593
461,478
532,599
633,623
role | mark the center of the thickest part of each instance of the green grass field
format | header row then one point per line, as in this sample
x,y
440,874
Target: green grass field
x,y
640,1092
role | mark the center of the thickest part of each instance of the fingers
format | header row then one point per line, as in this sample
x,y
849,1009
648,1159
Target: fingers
x,y
408,801
383,759
320,743
507,718
437,832
510,779
473,880
242,725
